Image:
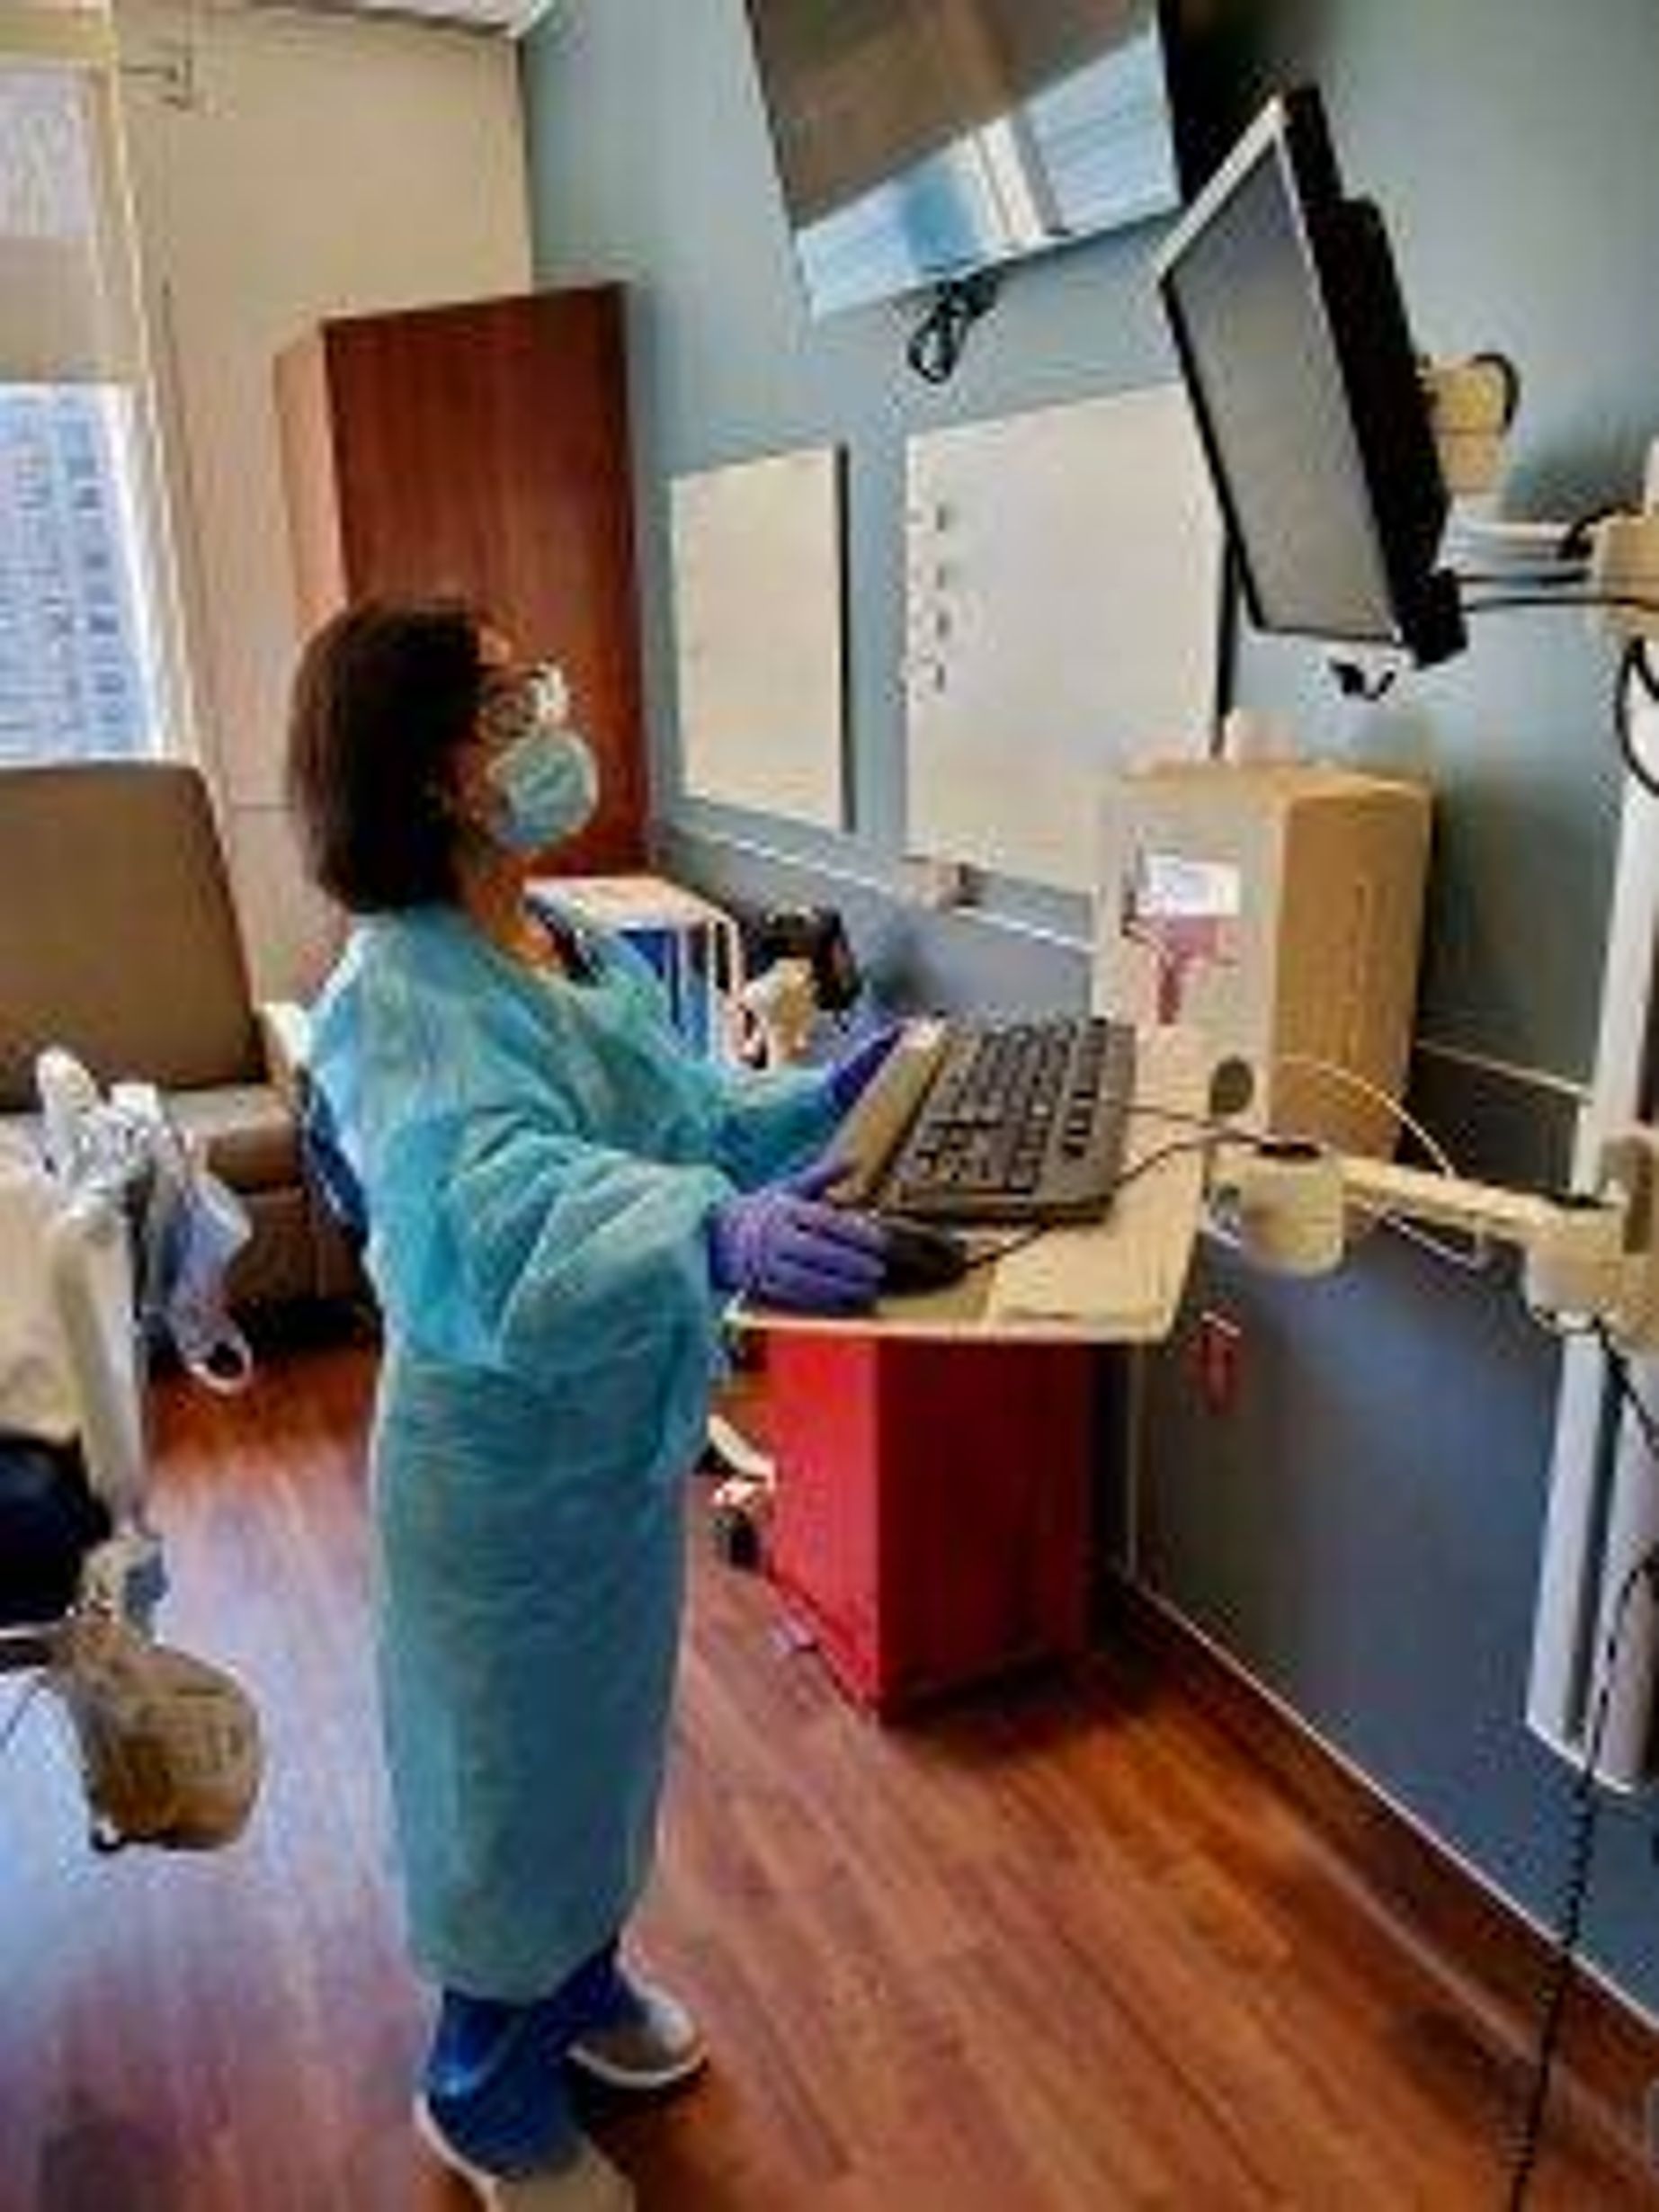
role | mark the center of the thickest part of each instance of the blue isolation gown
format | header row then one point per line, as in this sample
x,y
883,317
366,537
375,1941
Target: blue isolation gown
x,y
540,1156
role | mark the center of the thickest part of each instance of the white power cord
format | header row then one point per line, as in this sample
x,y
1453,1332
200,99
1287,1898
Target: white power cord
x,y
1473,1257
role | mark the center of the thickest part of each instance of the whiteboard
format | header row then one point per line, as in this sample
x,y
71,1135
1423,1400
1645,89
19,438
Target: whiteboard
x,y
758,629
1062,609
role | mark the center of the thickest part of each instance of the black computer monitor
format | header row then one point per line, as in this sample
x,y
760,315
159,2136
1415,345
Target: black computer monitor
x,y
1293,342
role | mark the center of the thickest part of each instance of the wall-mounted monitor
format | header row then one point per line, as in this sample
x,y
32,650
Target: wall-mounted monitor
x,y
922,141
1293,342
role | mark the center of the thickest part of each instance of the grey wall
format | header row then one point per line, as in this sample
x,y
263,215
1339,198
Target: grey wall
x,y
1363,1531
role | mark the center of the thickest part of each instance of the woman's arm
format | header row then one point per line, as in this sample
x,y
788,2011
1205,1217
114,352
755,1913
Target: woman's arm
x,y
761,1126
525,1248
500,1234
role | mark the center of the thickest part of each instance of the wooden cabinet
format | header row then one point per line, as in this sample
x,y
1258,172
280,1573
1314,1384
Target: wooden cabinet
x,y
482,451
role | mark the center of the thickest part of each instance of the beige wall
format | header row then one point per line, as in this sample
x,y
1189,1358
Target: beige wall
x,y
321,165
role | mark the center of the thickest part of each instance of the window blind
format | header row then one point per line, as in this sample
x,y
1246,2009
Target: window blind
x,y
67,292
80,642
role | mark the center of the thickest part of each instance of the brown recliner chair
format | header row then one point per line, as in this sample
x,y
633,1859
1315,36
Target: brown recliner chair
x,y
119,941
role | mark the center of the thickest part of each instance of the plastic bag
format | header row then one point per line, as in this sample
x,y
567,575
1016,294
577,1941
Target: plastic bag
x,y
170,1747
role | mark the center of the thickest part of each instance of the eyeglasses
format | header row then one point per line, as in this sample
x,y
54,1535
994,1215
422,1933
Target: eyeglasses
x,y
516,701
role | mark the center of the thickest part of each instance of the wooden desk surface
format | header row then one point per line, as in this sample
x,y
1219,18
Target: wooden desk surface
x,y
1115,1281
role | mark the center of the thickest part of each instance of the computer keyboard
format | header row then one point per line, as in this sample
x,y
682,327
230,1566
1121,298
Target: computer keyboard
x,y
995,1121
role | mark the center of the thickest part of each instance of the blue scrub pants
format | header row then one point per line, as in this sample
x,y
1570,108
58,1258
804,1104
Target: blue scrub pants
x,y
495,2079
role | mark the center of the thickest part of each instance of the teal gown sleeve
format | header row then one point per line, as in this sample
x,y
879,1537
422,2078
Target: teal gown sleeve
x,y
760,1125
515,1245
504,1234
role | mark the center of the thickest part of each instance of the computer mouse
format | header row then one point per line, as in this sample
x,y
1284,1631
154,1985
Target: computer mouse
x,y
920,1257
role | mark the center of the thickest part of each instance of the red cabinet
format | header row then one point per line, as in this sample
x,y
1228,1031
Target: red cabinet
x,y
932,1523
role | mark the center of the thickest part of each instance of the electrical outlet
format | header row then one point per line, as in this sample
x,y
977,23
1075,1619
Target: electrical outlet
x,y
1218,1361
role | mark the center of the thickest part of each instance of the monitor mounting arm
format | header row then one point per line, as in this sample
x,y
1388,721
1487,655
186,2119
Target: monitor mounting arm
x,y
1587,1260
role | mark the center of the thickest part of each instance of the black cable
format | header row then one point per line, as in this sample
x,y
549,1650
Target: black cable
x,y
1572,597
1586,1814
1175,1151
1634,668
1004,1245
1573,546
1354,681
1634,664
1581,1861
1645,671
1490,357
1641,1413
1182,1146
1518,579
1217,1125
1578,538
938,341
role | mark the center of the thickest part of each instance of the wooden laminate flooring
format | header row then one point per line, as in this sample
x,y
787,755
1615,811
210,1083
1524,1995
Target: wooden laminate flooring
x,y
1056,1950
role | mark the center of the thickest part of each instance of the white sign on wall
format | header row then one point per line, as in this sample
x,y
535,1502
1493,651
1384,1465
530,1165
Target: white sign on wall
x,y
758,622
1064,598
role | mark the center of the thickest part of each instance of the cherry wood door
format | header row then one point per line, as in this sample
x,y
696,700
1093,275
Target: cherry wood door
x,y
482,450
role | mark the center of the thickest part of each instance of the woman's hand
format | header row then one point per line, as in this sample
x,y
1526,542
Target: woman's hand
x,y
790,1249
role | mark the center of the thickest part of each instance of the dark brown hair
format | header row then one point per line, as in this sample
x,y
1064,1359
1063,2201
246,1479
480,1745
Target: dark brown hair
x,y
385,695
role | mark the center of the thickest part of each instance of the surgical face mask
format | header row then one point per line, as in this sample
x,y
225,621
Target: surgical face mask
x,y
545,773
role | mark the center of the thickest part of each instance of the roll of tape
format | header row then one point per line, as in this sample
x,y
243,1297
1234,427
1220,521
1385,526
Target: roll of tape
x,y
1291,1212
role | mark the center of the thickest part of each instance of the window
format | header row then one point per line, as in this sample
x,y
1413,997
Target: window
x,y
80,669
78,673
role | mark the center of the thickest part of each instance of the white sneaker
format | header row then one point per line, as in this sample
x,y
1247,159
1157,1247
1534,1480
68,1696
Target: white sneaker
x,y
657,2047
589,2183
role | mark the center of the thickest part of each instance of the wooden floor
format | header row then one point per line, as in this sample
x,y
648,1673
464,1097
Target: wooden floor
x,y
1057,1952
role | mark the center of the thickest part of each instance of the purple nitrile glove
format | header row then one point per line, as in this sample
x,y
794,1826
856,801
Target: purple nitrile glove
x,y
786,1246
851,1074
